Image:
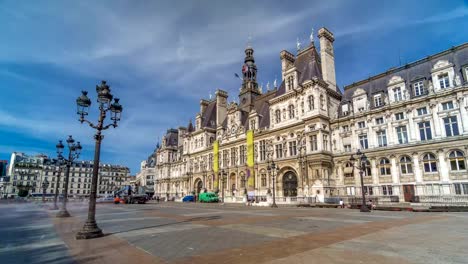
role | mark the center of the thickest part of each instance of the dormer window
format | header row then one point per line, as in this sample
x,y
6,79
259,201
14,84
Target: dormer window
x,y
398,96
310,101
378,100
278,116
345,109
290,82
444,81
418,88
379,120
291,111
252,124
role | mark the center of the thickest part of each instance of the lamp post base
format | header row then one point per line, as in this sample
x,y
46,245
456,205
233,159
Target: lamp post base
x,y
364,209
55,207
274,205
89,231
63,213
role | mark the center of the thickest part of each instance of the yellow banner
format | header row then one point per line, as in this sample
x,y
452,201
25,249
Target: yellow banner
x,y
250,160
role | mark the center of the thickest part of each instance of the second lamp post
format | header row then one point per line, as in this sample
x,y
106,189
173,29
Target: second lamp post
x,y
272,170
361,167
74,151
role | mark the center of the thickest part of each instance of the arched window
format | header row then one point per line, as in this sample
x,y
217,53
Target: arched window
x,y
348,170
457,160
278,116
430,163
264,180
385,167
405,165
242,181
310,101
291,111
368,170
322,102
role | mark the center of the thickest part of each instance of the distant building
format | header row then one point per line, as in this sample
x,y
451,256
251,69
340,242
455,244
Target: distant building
x,y
31,171
3,167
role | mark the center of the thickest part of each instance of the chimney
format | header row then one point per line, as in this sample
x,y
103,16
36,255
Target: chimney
x,y
287,60
327,57
221,106
203,104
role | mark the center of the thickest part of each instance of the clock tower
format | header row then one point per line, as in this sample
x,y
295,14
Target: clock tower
x,y
249,89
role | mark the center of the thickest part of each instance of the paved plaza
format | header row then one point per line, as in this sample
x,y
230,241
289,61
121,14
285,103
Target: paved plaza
x,y
213,233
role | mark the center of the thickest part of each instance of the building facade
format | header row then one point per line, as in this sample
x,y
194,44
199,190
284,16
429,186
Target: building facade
x,y
411,122
31,172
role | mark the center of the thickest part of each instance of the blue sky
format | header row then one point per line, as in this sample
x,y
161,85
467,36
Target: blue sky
x,y
161,57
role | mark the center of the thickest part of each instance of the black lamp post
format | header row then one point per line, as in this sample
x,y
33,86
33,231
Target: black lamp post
x,y
361,167
272,170
45,184
74,151
223,180
90,228
58,163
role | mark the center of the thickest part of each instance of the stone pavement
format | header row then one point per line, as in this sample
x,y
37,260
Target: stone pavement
x,y
212,233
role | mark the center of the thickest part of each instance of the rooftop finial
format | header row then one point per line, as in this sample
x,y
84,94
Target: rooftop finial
x,y
249,41
268,86
211,95
261,88
312,36
275,84
298,45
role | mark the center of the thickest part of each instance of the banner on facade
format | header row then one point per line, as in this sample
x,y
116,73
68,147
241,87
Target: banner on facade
x,y
250,160
215,163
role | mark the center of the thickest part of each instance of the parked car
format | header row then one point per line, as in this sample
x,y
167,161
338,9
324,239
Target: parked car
x,y
208,197
189,198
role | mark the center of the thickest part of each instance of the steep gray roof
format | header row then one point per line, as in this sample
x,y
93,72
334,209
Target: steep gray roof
x,y
420,69
209,116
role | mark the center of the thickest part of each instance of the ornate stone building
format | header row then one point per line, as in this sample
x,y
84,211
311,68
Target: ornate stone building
x,y
410,121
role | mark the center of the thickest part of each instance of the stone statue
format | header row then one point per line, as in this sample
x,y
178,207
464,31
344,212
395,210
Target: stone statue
x,y
268,86
457,80
312,36
407,95
431,87
275,84
298,45
386,100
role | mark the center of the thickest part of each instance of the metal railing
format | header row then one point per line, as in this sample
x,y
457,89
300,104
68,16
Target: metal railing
x,y
438,200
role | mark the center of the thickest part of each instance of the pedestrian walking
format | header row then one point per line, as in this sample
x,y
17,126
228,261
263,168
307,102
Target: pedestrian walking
x,y
341,203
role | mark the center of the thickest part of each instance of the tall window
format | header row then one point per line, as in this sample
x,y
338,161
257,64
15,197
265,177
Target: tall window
x,y
233,157
451,126
348,170
262,150
264,180
430,163
425,130
225,158
292,148
363,142
242,182
406,165
382,138
379,120
444,81
347,148
457,160
322,102
418,88
368,169
310,101
278,116
378,100
385,167
325,142
387,190
252,124
313,143
397,94
291,111
242,155
361,124
279,151
402,134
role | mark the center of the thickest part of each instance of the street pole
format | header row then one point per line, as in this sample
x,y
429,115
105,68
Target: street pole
x,y
364,207
90,228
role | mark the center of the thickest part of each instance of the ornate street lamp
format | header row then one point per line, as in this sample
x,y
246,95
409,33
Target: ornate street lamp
x,y
361,167
223,180
45,185
74,151
272,171
90,228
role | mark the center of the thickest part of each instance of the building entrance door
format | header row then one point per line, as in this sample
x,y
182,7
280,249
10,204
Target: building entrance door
x,y
290,184
408,192
199,186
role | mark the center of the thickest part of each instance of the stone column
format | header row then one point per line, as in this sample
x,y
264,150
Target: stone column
x,y
411,127
394,170
463,114
443,166
370,134
390,130
417,169
436,120
374,171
